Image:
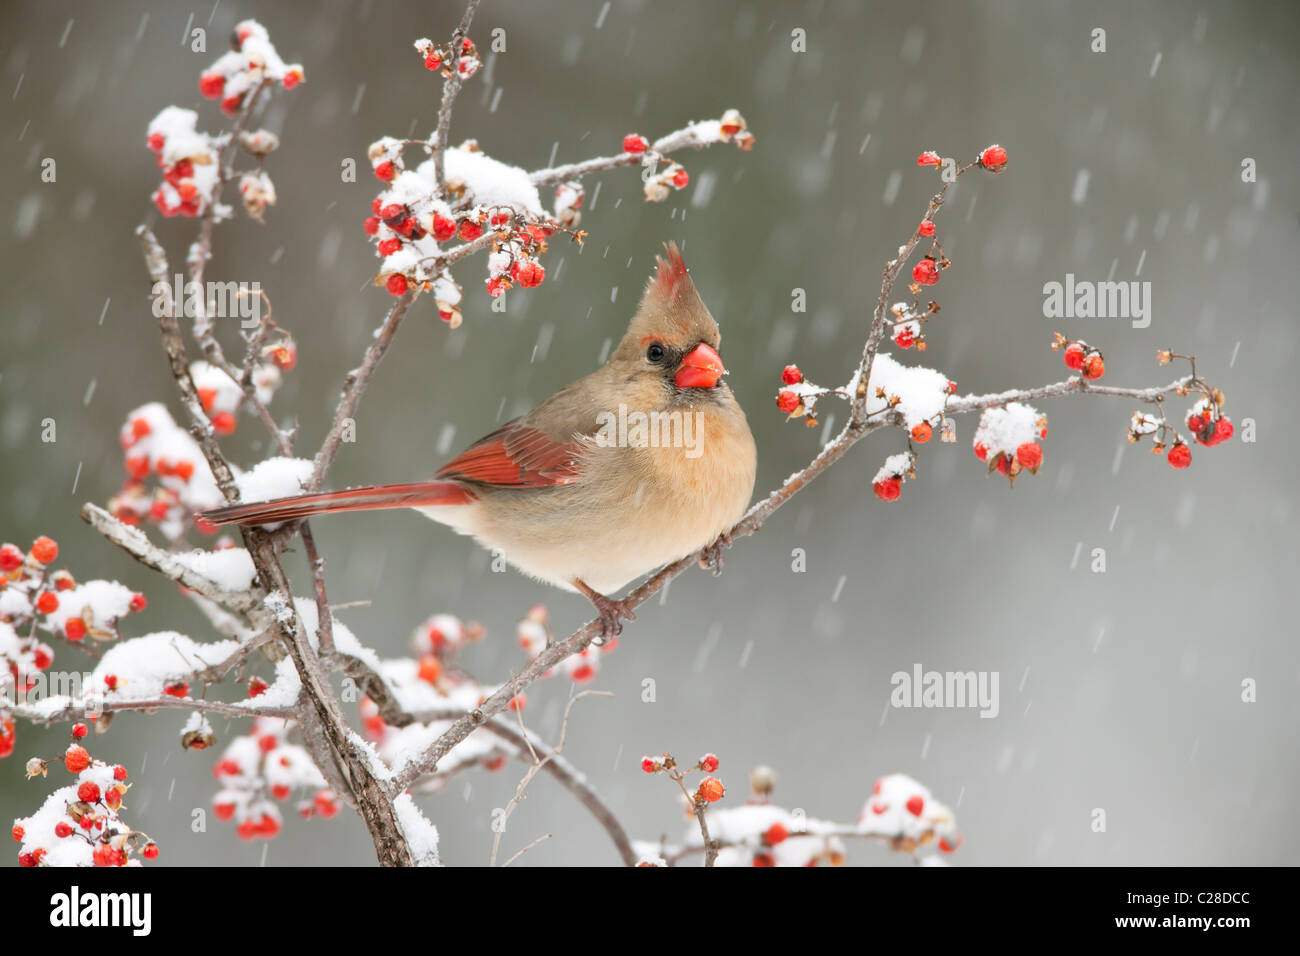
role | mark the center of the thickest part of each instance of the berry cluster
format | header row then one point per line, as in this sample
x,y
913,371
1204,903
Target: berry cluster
x,y
660,185
80,824
903,810
251,64
798,399
262,768
409,222
37,601
1008,437
888,483
167,477
459,57
1080,356
189,160
534,634
708,790
436,643
906,329
1204,420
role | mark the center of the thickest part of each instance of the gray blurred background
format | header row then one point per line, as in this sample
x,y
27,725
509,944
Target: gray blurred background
x,y
1119,690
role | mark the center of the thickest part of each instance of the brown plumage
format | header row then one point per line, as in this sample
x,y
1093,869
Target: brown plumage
x,y
576,492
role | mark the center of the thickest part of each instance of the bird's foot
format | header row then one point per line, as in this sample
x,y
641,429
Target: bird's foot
x,y
612,613
711,559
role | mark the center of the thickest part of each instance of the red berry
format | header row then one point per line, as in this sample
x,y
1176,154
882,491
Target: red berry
x,y
905,338
62,830
180,689
388,246
791,375
80,730
681,178
74,628
44,550
17,833
88,792
926,228
393,213
470,230
531,274
635,143
396,284
371,225
947,846
1030,455
110,681
223,423
649,764
26,860
432,61
256,687
11,558
47,603
888,489
211,85
775,834
1180,456
915,805
925,272
138,602
280,791
119,773
155,142
385,171
921,433
292,78
1074,355
1094,366
994,158
709,763
150,851
1222,430
711,790
1004,464
787,401
443,228
583,673
518,702
928,158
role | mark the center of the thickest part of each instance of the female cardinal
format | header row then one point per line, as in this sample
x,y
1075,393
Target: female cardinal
x,y
638,464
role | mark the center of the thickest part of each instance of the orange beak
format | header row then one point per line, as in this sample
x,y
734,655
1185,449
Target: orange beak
x,y
700,368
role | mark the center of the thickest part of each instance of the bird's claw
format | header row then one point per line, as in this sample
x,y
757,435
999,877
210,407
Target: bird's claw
x,y
711,559
611,613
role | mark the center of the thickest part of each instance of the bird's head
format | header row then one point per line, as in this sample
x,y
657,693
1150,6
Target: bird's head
x,y
672,342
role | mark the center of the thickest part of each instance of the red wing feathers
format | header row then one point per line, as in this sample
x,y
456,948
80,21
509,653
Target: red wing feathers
x,y
517,456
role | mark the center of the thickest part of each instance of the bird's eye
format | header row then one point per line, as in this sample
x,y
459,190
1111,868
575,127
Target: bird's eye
x,y
655,353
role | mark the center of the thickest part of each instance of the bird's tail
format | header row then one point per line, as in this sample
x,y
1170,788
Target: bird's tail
x,y
420,494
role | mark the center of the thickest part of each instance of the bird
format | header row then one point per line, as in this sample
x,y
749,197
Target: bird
x,y
644,461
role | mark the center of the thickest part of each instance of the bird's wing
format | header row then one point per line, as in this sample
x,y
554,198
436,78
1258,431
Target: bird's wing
x,y
543,448
515,455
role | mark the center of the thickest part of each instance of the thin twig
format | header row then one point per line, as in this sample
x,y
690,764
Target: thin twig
x,y
450,87
500,828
